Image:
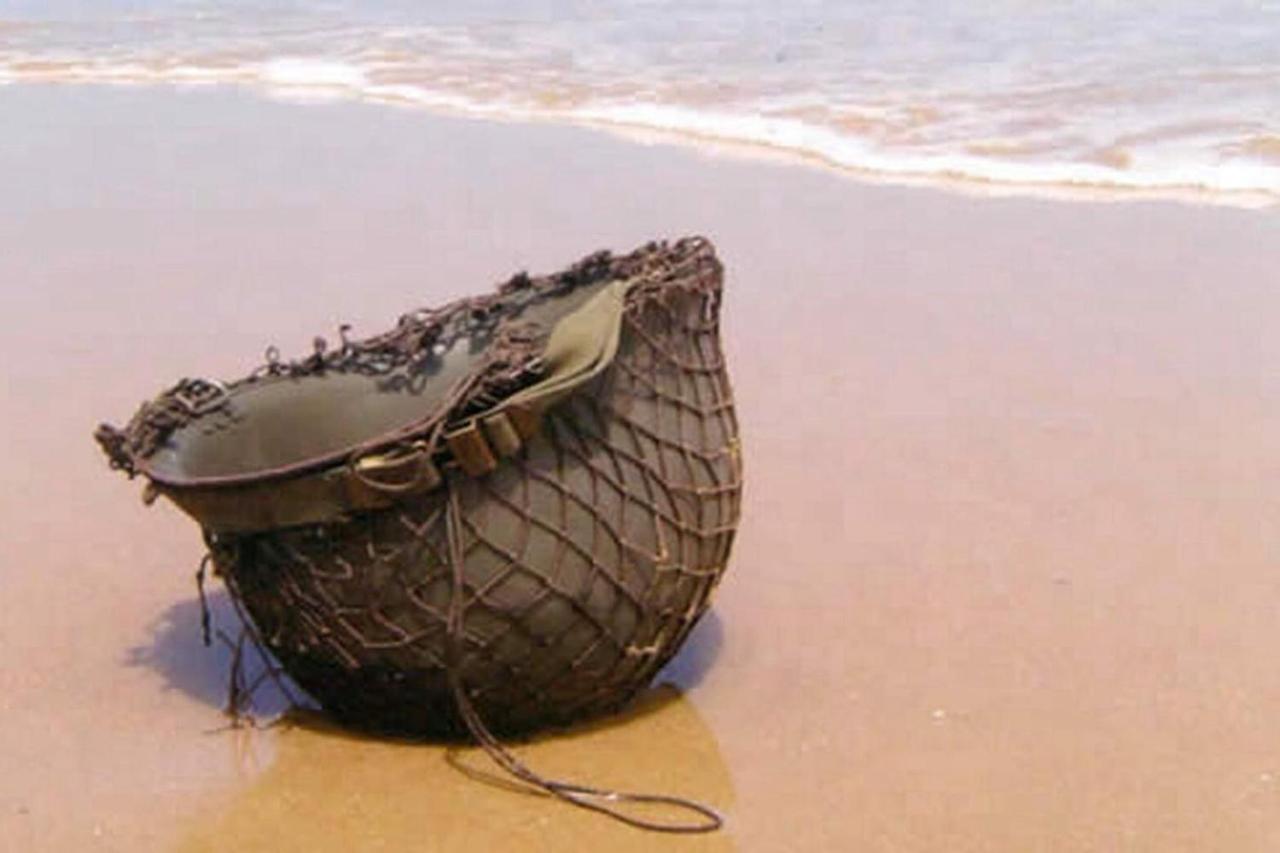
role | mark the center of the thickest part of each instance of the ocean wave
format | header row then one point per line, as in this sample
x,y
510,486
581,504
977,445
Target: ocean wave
x,y
881,142
1244,183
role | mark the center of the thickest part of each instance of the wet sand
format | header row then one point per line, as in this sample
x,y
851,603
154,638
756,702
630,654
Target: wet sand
x,y
1008,572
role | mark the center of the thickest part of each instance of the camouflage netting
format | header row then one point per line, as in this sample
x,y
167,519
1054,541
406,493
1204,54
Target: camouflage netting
x,y
547,589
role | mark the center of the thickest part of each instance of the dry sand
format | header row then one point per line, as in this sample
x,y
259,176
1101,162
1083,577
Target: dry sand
x,y
1010,565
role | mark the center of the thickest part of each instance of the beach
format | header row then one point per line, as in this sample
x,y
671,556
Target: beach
x,y
1006,576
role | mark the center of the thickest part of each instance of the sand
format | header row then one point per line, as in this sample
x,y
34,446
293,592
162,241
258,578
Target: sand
x,y
1007,576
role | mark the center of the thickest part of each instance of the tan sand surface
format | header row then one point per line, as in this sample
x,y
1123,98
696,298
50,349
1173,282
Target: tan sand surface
x,y
1008,574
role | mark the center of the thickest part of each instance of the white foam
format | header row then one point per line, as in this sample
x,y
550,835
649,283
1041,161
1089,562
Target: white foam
x,y
859,155
1170,171
417,96
308,79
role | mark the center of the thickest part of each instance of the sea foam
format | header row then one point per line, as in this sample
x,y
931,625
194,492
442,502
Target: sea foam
x,y
1048,102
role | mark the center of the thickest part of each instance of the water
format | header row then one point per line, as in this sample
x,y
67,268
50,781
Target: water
x,y
1165,96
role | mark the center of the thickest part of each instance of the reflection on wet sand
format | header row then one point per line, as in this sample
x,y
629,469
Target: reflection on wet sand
x,y
369,794
382,793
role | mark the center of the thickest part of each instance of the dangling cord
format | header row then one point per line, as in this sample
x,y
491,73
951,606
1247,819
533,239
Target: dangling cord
x,y
240,690
204,602
595,799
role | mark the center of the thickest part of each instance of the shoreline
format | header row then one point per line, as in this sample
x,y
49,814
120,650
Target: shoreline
x,y
1078,182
